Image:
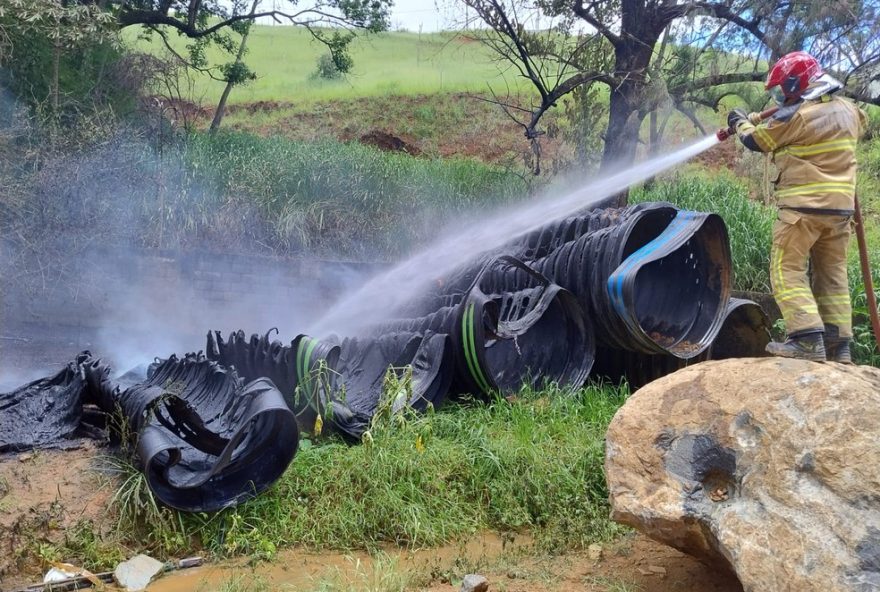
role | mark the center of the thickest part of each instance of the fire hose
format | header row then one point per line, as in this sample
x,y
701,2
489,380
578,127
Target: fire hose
x,y
724,133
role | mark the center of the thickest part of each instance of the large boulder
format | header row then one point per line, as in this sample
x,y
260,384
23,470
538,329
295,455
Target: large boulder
x,y
769,467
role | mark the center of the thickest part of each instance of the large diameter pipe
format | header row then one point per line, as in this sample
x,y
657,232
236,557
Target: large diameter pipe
x,y
651,278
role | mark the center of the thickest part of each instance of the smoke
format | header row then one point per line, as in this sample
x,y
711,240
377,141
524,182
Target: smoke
x,y
173,302
121,250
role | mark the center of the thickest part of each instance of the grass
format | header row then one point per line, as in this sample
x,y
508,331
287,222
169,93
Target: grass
x,y
246,193
238,583
439,125
399,63
383,574
534,463
343,199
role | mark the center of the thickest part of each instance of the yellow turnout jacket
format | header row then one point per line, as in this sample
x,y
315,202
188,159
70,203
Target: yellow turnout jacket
x,y
814,148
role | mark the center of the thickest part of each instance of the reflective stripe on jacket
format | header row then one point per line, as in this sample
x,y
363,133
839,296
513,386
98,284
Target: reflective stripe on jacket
x,y
814,149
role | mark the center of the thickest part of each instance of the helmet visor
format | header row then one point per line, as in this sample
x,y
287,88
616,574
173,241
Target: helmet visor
x,y
777,94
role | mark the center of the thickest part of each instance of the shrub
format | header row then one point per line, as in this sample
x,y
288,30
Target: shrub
x,y
327,68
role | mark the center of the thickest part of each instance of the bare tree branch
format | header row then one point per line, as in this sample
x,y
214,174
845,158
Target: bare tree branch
x,y
717,80
689,113
586,13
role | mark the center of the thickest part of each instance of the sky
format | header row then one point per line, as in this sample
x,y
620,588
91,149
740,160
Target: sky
x,y
412,15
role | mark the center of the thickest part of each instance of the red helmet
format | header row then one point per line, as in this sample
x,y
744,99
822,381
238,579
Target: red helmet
x,y
793,73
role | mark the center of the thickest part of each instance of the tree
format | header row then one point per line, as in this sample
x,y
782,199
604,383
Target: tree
x,y
718,45
235,74
203,23
65,26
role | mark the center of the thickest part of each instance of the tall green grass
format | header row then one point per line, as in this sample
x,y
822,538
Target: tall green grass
x,y
346,199
235,191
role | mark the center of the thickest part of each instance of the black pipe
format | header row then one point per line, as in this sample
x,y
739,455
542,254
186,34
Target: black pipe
x,y
510,326
744,333
651,278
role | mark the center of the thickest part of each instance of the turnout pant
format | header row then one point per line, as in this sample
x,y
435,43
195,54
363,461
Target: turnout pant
x,y
824,239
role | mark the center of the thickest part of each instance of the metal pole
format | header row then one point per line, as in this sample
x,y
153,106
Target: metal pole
x,y
866,273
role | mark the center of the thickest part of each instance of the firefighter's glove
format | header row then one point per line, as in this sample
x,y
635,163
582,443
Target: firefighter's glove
x,y
755,118
735,117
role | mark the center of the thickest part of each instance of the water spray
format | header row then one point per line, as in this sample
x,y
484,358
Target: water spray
x,y
388,292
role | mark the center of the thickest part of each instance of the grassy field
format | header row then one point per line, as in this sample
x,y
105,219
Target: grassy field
x,y
394,63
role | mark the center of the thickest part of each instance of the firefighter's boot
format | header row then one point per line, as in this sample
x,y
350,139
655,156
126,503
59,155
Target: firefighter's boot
x,y
837,347
804,346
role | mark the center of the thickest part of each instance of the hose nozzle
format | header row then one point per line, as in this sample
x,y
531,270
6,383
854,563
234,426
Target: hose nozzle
x,y
724,133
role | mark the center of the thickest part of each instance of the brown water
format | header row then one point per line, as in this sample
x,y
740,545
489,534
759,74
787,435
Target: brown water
x,y
296,569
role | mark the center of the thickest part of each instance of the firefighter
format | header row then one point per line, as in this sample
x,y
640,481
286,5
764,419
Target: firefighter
x,y
813,141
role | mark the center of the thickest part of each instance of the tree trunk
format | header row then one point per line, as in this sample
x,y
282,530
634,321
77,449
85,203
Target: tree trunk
x,y
221,106
624,122
629,102
621,137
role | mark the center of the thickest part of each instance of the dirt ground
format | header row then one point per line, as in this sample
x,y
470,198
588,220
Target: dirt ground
x,y
632,564
45,494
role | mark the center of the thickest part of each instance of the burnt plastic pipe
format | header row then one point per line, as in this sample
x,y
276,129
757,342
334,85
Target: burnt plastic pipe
x,y
744,333
651,279
510,326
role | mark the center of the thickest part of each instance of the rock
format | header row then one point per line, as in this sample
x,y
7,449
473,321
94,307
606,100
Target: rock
x,y
474,583
657,570
769,467
137,572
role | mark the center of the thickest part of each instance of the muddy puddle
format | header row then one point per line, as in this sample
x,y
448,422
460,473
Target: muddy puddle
x,y
296,569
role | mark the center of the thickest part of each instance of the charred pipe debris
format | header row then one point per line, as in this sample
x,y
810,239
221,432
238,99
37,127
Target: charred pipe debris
x,y
630,293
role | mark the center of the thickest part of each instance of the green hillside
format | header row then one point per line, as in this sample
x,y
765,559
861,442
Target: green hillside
x,y
400,63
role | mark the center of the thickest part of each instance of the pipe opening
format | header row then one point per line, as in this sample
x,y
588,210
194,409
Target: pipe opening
x,y
680,298
648,226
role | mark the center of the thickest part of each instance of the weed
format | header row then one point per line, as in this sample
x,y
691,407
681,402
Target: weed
x,y
237,583
382,573
48,553
865,349
425,113
84,545
137,510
